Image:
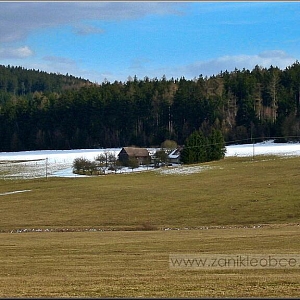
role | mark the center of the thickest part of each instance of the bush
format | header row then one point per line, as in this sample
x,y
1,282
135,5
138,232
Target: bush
x,y
99,166
82,166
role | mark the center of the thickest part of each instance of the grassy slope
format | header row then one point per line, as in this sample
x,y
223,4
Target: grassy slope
x,y
135,263
236,191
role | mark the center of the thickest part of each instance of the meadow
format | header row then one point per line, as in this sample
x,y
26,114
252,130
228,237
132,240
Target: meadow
x,y
111,236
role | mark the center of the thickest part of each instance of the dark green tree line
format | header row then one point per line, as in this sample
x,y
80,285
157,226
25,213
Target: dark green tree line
x,y
54,111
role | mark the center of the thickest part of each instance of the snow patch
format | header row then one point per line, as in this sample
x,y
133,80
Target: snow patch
x,y
181,170
264,148
14,192
58,163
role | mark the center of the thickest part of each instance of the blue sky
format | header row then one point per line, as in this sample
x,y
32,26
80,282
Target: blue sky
x,y
111,41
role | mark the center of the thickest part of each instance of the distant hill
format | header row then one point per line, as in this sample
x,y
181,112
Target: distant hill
x,y
21,81
39,110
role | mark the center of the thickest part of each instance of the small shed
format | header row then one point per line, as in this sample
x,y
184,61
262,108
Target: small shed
x,y
141,154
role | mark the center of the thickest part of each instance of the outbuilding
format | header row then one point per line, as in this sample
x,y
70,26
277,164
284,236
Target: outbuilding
x,y
141,154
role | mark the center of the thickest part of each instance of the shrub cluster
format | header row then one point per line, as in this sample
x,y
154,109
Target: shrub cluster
x,y
101,164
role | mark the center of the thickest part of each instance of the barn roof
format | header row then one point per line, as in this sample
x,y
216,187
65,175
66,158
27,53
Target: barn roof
x,y
132,151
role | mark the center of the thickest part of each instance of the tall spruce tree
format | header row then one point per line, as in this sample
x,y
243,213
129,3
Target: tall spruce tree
x,y
216,145
198,148
194,150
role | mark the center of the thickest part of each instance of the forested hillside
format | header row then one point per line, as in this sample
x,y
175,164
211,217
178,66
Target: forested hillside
x,y
51,111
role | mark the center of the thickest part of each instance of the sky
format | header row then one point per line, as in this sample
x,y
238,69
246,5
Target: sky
x,y
117,40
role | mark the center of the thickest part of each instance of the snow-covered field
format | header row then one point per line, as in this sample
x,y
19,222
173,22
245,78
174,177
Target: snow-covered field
x,y
50,163
264,148
58,163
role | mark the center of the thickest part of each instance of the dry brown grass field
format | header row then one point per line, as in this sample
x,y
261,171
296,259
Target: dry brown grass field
x,y
107,236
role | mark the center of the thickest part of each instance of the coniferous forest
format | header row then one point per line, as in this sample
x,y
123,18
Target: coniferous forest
x,y
39,110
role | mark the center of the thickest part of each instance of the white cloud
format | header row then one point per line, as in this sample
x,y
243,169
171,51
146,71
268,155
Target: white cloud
x,y
59,60
22,52
87,30
139,63
211,67
141,67
215,66
64,65
58,64
273,54
18,19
